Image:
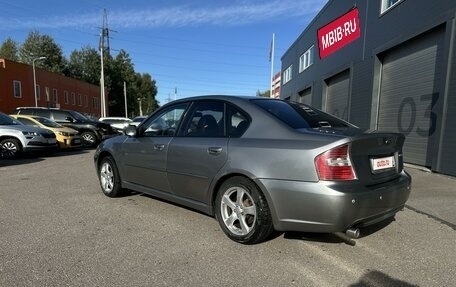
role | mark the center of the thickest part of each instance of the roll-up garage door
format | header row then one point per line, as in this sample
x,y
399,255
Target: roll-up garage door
x,y
410,74
305,96
337,95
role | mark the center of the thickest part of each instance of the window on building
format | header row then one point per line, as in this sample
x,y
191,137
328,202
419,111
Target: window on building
x,y
86,101
306,59
17,89
79,99
388,4
38,93
46,89
73,99
287,75
65,97
55,96
95,104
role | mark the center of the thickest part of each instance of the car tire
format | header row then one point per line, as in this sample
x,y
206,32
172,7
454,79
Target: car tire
x,y
242,211
10,148
88,139
109,177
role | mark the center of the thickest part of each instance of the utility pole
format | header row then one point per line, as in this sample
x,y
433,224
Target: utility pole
x,y
104,48
125,97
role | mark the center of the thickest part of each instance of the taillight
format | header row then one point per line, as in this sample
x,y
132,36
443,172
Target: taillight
x,y
335,164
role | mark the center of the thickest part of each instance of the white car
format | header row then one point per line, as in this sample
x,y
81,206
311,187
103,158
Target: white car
x,y
118,123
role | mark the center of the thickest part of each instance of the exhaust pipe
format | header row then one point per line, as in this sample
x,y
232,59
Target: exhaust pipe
x,y
352,233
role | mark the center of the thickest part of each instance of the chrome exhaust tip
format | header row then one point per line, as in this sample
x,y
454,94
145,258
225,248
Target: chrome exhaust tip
x,y
352,233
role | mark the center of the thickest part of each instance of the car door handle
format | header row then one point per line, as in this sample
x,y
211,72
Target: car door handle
x,y
214,150
159,147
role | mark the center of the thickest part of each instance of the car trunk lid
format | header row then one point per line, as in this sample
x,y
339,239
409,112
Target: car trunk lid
x,y
377,157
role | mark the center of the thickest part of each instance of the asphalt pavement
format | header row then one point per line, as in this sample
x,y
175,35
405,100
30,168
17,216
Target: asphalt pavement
x,y
433,194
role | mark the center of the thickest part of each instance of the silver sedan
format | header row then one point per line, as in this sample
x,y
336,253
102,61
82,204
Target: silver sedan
x,y
259,165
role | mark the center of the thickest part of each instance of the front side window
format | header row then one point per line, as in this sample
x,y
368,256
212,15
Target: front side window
x,y
388,4
206,120
17,89
61,116
306,59
164,124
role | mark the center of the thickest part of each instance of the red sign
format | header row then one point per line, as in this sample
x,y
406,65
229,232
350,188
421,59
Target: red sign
x,y
338,33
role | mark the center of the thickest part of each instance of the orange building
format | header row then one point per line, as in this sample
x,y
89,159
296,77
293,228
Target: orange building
x,y
52,90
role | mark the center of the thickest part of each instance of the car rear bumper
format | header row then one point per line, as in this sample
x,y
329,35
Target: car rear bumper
x,y
333,207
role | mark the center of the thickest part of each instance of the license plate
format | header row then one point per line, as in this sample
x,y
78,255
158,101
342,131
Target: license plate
x,y
77,141
52,141
383,163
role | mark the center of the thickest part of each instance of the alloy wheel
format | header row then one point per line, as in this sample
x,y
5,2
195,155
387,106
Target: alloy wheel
x,y
238,211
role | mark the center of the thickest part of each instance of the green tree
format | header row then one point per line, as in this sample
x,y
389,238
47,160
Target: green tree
x,y
37,45
9,50
85,65
265,94
146,92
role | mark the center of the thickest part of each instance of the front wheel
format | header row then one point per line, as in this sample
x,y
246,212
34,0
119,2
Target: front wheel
x,y
242,211
88,139
109,177
10,148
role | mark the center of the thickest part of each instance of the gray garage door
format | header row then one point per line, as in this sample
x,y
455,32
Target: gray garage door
x,y
410,74
337,95
305,96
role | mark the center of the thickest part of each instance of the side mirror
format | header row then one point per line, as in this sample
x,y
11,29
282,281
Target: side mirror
x,y
70,119
130,131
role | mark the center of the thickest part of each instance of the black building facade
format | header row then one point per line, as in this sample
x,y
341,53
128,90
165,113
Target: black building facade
x,y
387,65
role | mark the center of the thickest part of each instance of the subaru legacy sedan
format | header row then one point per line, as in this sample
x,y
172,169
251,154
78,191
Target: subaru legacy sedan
x,y
259,165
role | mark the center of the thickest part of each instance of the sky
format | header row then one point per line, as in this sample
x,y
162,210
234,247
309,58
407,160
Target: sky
x,y
194,47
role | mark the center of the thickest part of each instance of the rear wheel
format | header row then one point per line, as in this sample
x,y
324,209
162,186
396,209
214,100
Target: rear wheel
x,y
88,139
10,148
109,177
242,211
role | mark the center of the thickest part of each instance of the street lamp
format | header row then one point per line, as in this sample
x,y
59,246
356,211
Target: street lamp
x,y
34,77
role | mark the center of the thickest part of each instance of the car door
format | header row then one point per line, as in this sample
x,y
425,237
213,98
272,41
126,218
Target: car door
x,y
145,155
198,152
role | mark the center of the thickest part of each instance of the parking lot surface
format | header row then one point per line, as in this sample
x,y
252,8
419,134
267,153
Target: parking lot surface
x,y
58,229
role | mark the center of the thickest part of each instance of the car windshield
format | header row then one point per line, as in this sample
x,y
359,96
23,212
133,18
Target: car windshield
x,y
300,116
8,121
47,122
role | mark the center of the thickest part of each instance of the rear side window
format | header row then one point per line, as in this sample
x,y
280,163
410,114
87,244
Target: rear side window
x,y
299,116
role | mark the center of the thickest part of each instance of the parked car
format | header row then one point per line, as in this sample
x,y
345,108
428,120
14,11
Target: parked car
x,y
117,123
259,165
91,132
16,138
137,120
66,137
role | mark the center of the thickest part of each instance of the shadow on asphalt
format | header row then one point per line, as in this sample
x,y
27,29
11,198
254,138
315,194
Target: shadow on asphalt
x,y
377,278
38,156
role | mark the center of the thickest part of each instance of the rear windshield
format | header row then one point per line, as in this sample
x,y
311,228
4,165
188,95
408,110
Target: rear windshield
x,y
299,116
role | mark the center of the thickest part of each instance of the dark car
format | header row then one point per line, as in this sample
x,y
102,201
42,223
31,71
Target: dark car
x,y
91,132
260,165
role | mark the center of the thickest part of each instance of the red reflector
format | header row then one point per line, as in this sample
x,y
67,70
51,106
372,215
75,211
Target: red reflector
x,y
335,164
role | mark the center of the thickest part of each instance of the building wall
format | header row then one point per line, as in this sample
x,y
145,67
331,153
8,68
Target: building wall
x,y
12,71
416,36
